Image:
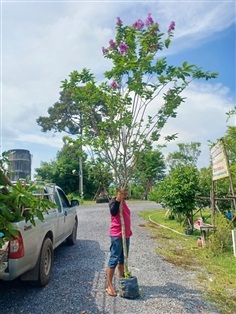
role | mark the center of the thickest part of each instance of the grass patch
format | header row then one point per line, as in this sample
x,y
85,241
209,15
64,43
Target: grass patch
x,y
85,202
216,273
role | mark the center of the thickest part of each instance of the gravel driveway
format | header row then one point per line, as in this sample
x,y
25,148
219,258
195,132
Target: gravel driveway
x,y
78,280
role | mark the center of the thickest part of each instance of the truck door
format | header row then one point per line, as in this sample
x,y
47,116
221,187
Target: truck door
x,y
61,218
68,220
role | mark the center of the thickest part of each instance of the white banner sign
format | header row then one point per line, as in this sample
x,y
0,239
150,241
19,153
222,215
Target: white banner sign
x,y
219,162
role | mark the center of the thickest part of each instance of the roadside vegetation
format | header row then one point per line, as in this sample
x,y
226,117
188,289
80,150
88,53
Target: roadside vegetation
x,y
19,201
215,268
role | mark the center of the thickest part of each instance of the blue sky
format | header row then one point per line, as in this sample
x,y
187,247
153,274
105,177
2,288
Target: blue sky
x,y
43,41
217,54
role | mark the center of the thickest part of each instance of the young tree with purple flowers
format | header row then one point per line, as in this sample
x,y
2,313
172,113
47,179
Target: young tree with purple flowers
x,y
125,114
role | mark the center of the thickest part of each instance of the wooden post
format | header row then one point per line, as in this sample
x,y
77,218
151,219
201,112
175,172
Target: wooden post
x,y
234,241
212,198
230,175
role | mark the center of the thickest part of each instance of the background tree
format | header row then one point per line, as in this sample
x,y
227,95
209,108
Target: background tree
x,y
187,154
230,144
178,190
180,187
47,171
101,176
205,184
118,109
149,170
229,141
67,114
65,169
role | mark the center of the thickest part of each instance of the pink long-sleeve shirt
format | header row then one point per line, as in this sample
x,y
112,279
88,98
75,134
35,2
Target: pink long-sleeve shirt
x,y
115,228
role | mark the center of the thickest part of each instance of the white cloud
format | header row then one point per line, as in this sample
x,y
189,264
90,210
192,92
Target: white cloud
x,y
202,118
196,21
198,18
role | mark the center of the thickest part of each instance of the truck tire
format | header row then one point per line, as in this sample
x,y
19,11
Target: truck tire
x,y
71,240
45,263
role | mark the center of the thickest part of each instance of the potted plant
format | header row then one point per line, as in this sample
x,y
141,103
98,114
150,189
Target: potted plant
x,y
188,230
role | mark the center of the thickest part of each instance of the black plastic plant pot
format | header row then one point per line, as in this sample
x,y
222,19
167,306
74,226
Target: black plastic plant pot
x,y
128,288
188,231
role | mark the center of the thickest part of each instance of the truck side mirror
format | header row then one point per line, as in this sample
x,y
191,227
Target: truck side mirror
x,y
74,203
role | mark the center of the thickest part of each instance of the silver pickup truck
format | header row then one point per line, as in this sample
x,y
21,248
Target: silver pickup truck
x,y
30,255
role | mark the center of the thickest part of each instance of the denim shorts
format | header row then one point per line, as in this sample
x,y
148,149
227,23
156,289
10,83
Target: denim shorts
x,y
116,252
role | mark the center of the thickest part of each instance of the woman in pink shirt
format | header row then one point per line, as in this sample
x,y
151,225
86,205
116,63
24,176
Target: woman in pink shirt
x,y
116,248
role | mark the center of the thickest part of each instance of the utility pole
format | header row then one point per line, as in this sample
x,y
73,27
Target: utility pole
x,y
81,190
81,177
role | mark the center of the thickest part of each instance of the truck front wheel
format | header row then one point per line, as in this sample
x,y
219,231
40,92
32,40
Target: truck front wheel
x,y
71,240
45,263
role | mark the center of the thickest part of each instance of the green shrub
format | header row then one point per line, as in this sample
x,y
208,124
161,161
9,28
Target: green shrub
x,y
178,190
220,241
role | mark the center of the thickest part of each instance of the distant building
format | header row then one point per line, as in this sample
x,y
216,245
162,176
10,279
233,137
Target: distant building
x,y
19,164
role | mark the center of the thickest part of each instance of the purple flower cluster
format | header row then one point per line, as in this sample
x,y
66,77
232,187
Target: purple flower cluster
x,y
114,85
123,48
153,47
112,44
149,20
171,27
119,22
138,24
104,50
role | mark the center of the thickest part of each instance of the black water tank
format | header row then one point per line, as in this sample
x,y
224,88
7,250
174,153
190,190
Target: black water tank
x,y
19,164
